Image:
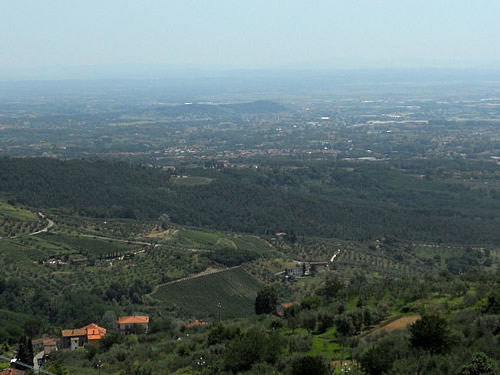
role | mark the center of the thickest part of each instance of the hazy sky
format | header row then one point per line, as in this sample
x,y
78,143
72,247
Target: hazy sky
x,y
256,33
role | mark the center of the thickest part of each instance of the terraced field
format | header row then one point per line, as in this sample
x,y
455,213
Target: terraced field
x,y
198,297
91,246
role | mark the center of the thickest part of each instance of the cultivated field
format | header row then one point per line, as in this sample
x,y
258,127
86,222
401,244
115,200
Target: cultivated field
x,y
198,297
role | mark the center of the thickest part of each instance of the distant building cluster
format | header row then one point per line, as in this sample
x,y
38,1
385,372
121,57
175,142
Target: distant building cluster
x,y
304,269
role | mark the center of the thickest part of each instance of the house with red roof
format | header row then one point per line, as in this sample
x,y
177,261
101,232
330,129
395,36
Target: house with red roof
x,y
76,338
94,332
135,323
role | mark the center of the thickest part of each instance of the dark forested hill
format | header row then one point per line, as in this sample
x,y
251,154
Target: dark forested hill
x,y
364,202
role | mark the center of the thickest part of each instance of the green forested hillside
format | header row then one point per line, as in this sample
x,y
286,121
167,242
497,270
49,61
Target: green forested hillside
x,y
360,202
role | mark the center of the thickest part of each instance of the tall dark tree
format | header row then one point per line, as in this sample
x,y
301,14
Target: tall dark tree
x,y
25,350
377,360
252,347
493,304
430,333
32,328
266,300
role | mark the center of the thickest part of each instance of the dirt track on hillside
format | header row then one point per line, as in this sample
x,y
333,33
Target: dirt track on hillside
x,y
400,323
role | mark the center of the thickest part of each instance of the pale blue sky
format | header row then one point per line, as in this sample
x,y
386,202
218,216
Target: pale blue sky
x,y
256,34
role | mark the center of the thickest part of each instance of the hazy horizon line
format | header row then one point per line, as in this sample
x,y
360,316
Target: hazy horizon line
x,y
182,71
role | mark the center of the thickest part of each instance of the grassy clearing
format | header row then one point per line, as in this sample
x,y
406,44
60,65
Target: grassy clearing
x,y
13,252
326,344
216,240
235,289
196,239
10,211
251,243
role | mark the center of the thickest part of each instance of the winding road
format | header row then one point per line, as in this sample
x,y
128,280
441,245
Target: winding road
x,y
49,225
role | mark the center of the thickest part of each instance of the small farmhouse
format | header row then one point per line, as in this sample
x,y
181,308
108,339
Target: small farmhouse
x,y
74,338
46,345
135,323
304,269
298,270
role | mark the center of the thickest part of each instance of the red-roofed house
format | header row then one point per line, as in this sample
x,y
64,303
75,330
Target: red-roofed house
x,y
94,332
135,323
75,338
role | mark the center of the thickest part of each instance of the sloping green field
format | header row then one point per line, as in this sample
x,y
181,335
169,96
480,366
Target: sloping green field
x,y
217,240
9,211
93,246
197,298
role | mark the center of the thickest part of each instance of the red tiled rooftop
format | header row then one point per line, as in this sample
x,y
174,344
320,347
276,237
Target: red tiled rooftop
x,y
136,319
94,332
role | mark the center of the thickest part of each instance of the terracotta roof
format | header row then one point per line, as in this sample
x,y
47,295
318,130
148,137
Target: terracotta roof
x,y
195,323
12,371
74,332
49,342
94,332
136,319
